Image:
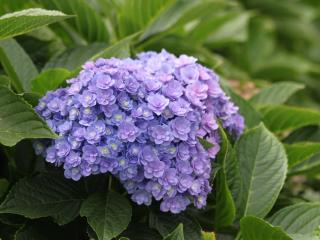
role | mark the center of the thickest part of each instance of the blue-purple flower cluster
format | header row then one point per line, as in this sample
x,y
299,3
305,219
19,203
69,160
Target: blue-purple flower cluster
x,y
140,120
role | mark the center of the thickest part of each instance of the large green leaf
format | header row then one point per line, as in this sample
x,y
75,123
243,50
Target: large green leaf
x,y
88,23
277,93
302,218
49,80
281,118
253,228
16,23
177,234
17,64
299,152
18,120
44,196
166,223
108,214
263,166
225,210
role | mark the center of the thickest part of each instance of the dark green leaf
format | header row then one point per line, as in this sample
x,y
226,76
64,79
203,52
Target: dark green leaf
x,y
49,80
108,214
16,23
29,232
263,166
302,218
43,196
206,144
253,228
4,184
166,223
17,64
225,211
299,152
139,231
177,234
277,93
18,120
281,118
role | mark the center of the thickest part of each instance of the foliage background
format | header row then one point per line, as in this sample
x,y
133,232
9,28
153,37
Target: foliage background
x,y
268,55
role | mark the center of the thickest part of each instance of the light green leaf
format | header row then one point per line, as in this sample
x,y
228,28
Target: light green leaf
x,y
300,152
253,228
108,214
177,234
44,196
302,218
18,120
73,58
166,223
16,23
17,64
225,210
281,118
277,93
49,80
263,166
88,23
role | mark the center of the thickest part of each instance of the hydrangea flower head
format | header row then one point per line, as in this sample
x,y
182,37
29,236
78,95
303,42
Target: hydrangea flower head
x,y
141,120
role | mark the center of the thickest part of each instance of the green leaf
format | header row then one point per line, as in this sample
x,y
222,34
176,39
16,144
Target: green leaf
x,y
5,81
177,234
16,23
29,232
4,184
225,210
17,64
49,80
73,58
263,166
43,196
277,93
281,118
166,223
140,231
300,152
18,120
253,228
88,23
222,29
151,16
108,214
206,144
302,218
251,116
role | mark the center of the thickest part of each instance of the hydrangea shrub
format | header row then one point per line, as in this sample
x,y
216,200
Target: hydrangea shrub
x,y
141,120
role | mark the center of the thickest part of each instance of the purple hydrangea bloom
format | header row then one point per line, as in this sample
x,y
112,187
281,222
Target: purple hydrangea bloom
x,y
140,120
